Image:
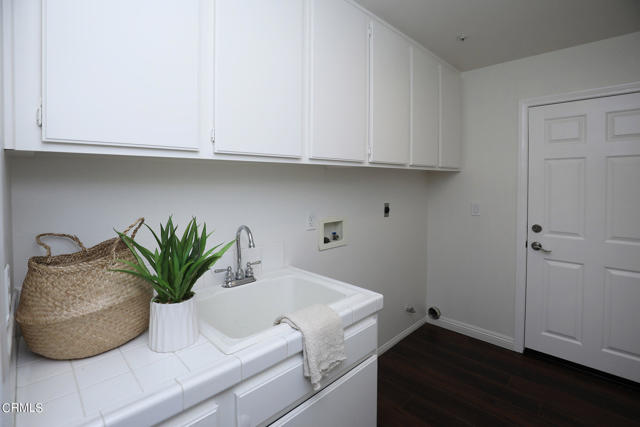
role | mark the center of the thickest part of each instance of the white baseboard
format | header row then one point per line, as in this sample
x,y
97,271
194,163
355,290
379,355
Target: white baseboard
x,y
474,332
393,341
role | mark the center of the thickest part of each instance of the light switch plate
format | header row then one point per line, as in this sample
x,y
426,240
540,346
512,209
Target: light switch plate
x,y
475,209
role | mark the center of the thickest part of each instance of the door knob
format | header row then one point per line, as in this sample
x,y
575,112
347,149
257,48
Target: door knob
x,y
537,246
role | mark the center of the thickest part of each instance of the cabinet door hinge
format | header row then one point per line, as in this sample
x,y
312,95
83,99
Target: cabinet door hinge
x,y
39,116
213,135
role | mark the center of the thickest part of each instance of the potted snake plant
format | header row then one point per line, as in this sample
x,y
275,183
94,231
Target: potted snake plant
x,y
172,269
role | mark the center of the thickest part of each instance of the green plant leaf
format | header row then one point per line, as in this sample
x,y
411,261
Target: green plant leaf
x,y
177,262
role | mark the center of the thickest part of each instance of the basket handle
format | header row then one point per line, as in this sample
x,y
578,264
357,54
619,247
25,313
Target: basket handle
x,y
48,248
137,224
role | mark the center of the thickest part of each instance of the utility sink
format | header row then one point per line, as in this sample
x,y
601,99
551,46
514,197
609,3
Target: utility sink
x,y
235,318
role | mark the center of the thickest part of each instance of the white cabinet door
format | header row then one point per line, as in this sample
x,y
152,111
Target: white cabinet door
x,y
390,96
350,401
259,77
339,107
425,108
117,72
451,117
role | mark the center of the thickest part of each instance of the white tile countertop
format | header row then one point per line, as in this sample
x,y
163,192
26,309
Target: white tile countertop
x,y
132,385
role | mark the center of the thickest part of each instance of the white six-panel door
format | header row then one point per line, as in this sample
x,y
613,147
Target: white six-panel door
x,y
583,297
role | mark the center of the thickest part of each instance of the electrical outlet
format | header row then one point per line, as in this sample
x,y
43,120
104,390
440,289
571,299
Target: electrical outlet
x,y
475,209
6,293
8,322
311,221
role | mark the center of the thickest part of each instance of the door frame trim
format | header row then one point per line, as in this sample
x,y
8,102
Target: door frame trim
x,y
522,191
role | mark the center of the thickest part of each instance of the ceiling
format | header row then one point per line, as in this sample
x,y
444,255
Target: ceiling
x,y
503,30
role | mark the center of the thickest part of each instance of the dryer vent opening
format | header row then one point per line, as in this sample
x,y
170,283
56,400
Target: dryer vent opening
x,y
434,313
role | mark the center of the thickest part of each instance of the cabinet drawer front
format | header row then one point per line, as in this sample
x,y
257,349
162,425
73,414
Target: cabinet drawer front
x,y
350,401
260,399
204,414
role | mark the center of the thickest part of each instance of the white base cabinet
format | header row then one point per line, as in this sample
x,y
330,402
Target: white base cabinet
x,y
350,401
283,396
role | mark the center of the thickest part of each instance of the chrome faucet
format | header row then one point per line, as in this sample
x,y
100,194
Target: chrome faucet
x,y
241,277
239,271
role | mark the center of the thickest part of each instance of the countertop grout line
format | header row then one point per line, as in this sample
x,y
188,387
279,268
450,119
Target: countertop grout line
x,y
46,377
181,393
78,390
135,377
175,353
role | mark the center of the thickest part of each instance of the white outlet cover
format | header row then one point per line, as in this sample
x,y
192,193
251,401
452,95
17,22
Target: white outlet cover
x,y
311,222
6,292
475,209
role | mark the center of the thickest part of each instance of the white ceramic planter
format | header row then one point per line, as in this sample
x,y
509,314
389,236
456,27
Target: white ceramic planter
x,y
173,326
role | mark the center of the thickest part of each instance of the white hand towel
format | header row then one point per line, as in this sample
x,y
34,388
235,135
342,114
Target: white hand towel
x,y
322,339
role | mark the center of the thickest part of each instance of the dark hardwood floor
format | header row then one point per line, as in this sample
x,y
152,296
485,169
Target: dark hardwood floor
x,y
439,377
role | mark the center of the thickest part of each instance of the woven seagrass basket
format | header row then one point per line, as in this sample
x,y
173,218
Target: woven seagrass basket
x,y
73,306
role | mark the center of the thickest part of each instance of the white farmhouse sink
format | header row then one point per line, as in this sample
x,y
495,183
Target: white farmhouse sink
x,y
235,318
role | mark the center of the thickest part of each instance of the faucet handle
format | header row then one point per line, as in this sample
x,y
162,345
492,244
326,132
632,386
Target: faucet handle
x,y
249,271
228,278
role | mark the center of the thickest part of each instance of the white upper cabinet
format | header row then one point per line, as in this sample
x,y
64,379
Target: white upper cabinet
x,y
451,117
339,82
121,73
285,81
390,96
425,108
259,52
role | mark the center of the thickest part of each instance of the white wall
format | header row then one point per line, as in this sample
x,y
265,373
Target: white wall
x,y
7,358
89,196
471,259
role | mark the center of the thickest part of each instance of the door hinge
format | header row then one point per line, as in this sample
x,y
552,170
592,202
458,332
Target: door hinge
x,y
39,116
213,135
